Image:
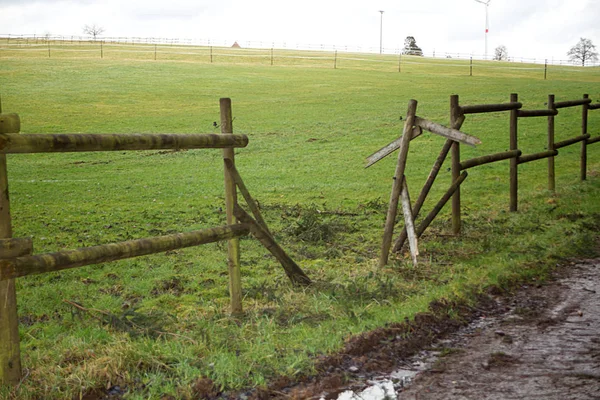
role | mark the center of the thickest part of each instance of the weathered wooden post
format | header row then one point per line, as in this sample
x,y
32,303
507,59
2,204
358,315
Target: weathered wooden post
x,y
584,142
455,152
514,177
397,185
10,355
233,245
551,170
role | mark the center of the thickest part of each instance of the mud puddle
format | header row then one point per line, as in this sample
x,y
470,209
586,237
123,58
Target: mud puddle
x,y
545,344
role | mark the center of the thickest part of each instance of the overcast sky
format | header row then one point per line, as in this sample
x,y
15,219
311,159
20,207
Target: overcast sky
x,y
528,28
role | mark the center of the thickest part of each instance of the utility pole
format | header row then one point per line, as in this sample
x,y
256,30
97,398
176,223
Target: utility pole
x,y
381,33
487,26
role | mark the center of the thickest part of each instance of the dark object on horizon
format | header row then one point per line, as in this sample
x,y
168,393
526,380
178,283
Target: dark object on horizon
x,y
411,48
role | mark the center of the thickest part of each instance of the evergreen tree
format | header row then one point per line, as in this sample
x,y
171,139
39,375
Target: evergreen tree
x,y
411,48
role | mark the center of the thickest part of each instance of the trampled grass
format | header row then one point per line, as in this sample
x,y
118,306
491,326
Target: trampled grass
x,y
158,323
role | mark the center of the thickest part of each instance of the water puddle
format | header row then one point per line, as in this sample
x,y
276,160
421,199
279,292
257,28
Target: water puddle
x,y
387,387
381,389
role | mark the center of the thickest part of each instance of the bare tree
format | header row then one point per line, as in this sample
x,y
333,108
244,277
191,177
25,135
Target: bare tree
x,y
501,53
93,30
583,52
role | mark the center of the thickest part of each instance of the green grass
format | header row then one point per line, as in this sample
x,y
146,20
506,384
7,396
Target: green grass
x,y
158,323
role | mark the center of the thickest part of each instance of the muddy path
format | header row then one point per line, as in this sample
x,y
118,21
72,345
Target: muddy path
x,y
547,346
538,342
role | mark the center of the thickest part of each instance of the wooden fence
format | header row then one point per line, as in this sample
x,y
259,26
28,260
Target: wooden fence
x,y
16,259
413,128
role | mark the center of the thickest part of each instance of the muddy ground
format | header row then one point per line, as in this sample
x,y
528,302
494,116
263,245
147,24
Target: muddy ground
x,y
546,347
540,341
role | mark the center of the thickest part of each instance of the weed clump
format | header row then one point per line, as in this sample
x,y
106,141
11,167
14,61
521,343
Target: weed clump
x,y
311,224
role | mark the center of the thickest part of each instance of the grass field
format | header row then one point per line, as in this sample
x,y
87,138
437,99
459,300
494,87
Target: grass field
x,y
158,323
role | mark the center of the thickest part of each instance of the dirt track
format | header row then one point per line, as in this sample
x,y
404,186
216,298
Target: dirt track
x,y
546,347
542,342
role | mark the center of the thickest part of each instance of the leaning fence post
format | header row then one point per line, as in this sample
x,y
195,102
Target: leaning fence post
x,y
10,354
233,246
514,177
390,220
551,170
584,143
455,152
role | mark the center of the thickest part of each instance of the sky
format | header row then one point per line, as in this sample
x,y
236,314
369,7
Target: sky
x,y
528,28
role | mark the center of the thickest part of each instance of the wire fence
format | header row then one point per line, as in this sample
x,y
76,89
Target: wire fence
x,y
281,54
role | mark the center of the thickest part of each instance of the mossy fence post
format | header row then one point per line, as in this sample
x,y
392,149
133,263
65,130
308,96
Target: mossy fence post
x,y
233,245
551,170
455,152
584,142
10,354
514,172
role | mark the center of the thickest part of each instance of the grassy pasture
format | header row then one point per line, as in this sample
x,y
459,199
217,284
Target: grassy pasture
x,y
156,324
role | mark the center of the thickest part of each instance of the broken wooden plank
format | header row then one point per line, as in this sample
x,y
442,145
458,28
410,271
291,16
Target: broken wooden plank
x,y
292,270
249,200
446,132
390,220
390,148
409,222
438,207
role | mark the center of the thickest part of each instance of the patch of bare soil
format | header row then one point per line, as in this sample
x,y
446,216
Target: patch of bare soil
x,y
546,347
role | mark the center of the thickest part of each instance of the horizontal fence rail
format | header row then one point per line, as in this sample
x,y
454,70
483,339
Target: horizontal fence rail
x,y
50,262
54,143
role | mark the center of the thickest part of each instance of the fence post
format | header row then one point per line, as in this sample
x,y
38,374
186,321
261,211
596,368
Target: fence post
x,y
455,152
211,57
101,50
471,67
514,174
545,68
10,354
551,170
400,62
397,185
233,246
584,125
271,56
335,60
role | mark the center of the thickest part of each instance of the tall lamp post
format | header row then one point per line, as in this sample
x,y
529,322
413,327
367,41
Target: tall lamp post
x,y
487,26
381,33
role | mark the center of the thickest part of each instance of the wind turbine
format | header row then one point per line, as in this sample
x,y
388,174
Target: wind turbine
x,y
487,26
